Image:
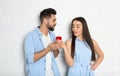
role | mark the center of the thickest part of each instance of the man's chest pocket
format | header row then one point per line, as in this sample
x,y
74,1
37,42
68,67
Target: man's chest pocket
x,y
39,45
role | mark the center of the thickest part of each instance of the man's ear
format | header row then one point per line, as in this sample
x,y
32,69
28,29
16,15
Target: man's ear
x,y
45,20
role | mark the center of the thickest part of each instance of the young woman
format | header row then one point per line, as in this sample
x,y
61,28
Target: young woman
x,y
81,50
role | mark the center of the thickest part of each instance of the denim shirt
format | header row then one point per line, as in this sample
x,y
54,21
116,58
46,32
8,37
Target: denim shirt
x,y
33,43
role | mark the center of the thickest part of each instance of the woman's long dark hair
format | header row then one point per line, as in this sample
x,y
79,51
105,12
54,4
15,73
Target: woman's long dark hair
x,y
86,36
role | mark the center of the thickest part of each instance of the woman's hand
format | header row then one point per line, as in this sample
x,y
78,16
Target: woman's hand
x,y
93,67
62,44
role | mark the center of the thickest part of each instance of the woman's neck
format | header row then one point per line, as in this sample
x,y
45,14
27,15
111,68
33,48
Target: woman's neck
x,y
80,37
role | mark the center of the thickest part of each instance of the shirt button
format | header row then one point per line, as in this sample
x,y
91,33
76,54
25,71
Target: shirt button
x,y
44,68
44,60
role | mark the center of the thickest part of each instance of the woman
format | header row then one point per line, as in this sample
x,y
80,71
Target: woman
x,y
81,50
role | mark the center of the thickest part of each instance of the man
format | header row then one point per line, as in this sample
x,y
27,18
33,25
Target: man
x,y
40,47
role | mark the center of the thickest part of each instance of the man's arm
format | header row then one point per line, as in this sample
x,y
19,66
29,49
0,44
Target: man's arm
x,y
40,54
56,52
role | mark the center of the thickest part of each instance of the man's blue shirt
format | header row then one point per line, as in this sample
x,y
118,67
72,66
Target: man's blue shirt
x,y
33,43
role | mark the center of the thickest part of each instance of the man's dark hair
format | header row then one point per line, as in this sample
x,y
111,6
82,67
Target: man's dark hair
x,y
46,13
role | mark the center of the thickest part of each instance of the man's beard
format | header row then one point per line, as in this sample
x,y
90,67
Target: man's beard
x,y
50,27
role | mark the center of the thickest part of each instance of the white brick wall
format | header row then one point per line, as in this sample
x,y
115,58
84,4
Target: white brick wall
x,y
18,17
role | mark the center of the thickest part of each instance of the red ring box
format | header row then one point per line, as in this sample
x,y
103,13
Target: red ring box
x,y
58,38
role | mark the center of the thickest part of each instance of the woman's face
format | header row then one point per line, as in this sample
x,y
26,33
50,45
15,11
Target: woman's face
x,y
77,28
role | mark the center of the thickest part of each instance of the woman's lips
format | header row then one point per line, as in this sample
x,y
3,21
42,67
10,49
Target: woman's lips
x,y
75,32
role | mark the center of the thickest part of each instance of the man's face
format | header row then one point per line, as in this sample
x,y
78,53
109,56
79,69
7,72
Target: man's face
x,y
51,23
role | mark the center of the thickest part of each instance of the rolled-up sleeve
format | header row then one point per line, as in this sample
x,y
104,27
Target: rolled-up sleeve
x,y
29,49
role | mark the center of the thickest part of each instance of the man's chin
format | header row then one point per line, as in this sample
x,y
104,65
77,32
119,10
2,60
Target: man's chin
x,y
51,29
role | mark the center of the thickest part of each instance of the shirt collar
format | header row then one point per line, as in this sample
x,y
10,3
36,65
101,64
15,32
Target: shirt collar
x,y
38,31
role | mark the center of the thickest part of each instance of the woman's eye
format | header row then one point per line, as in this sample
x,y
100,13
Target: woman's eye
x,y
73,27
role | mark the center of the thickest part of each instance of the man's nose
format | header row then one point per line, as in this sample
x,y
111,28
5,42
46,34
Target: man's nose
x,y
55,23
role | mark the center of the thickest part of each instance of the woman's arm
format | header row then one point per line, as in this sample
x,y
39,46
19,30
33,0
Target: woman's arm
x,y
100,55
67,52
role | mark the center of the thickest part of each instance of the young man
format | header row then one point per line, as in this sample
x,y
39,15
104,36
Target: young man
x,y
40,47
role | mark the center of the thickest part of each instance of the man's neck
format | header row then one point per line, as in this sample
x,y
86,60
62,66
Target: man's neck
x,y
44,30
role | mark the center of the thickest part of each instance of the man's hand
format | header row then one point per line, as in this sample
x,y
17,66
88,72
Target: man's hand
x,y
53,46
